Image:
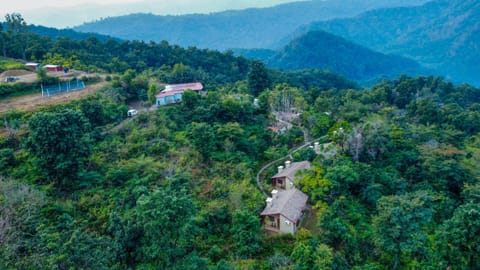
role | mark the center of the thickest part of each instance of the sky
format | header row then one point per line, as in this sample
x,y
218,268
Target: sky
x,y
69,13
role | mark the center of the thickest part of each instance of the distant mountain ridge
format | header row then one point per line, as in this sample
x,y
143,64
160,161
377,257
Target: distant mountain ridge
x,y
322,50
255,54
250,28
55,33
442,35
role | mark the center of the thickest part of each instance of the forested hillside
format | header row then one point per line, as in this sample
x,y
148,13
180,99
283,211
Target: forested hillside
x,y
250,28
255,54
111,55
321,50
441,35
54,33
84,187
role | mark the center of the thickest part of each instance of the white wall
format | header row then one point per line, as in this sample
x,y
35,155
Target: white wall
x,y
287,228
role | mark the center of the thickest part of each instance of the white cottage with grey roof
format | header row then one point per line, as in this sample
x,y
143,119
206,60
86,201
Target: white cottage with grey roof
x,y
285,178
284,211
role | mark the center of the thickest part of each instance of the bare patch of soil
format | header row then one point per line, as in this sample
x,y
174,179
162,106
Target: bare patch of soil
x,y
15,72
25,76
35,101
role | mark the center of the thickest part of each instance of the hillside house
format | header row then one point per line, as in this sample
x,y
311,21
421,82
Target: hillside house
x,y
32,66
284,211
53,68
285,178
173,93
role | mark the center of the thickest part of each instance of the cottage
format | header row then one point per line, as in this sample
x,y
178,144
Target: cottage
x,y
32,66
173,93
285,178
53,68
284,211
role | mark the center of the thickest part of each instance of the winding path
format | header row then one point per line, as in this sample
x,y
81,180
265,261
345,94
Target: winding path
x,y
289,155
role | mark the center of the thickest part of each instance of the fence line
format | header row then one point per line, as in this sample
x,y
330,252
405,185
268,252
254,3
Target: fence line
x,y
64,87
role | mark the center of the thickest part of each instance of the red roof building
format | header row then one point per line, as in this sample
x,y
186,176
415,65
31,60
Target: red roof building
x,y
196,86
173,92
33,66
53,68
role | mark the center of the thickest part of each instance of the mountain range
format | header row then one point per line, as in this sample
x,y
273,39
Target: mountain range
x,y
55,33
249,28
441,35
322,50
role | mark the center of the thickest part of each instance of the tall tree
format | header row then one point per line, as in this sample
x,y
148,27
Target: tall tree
x,y
60,141
202,136
312,256
181,74
284,98
258,79
17,31
399,225
302,256
166,218
3,40
457,238
246,229
441,168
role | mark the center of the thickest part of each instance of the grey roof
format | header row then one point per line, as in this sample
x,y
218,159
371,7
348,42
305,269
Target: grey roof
x,y
289,203
292,170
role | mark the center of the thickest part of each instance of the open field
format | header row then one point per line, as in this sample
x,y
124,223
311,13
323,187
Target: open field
x,y
25,76
34,101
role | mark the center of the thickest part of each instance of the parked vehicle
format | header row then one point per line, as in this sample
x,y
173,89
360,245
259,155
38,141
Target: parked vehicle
x,y
132,113
11,79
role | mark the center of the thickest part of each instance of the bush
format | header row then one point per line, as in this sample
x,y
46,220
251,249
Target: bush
x,y
15,89
10,64
92,79
7,158
49,80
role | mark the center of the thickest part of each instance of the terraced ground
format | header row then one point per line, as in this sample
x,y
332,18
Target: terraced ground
x,y
34,101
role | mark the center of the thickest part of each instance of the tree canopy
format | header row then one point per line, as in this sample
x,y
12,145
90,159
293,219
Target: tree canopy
x,y
394,182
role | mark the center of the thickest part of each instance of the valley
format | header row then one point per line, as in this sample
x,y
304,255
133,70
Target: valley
x,y
335,135
440,35
250,28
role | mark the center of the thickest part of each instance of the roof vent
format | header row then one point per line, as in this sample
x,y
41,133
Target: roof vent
x,y
274,194
288,163
269,202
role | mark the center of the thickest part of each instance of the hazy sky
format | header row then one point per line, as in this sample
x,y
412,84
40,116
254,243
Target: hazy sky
x,y
66,13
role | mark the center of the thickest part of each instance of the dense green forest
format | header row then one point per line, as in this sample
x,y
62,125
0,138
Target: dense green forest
x,y
171,63
64,33
321,50
440,35
81,187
